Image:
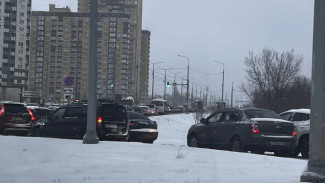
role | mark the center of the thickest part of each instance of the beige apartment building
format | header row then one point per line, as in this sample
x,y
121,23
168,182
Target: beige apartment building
x,y
133,8
144,65
59,55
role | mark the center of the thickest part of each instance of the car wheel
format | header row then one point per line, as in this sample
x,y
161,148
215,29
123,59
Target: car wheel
x,y
304,147
258,152
193,141
236,145
82,134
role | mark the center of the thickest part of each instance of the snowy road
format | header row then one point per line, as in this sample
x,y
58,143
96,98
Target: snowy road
x,y
42,160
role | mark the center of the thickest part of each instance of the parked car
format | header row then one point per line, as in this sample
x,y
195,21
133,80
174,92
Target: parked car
x,y
70,121
137,109
15,118
145,110
153,109
301,119
242,130
142,129
128,108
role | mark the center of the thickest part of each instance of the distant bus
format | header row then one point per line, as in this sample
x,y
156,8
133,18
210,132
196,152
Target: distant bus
x,y
161,105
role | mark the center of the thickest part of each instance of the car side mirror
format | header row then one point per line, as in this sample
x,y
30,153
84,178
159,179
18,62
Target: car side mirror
x,y
203,120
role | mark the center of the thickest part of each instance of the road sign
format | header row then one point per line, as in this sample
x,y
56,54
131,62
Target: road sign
x,y
68,81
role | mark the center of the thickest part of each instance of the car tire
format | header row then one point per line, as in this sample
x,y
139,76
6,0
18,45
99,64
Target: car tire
x,y
236,145
193,141
282,153
258,152
304,147
81,134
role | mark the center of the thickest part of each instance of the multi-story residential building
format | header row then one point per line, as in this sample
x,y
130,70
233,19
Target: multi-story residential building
x,y
144,65
14,42
60,54
134,9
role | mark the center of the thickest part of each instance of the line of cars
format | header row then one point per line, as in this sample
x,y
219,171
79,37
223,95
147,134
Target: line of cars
x,y
113,122
255,130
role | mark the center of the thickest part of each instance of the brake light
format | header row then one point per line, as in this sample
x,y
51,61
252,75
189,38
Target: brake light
x,y
2,110
148,110
294,133
255,128
99,120
31,114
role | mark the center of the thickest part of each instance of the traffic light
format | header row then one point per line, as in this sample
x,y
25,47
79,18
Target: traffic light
x,y
168,84
112,85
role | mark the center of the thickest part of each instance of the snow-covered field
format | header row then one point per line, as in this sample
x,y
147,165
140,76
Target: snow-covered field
x,y
42,160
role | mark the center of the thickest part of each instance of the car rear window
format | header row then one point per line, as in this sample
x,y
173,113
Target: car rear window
x,y
133,115
151,106
113,110
15,108
254,113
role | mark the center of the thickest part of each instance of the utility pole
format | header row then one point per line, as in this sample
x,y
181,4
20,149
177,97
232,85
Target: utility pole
x,y
188,76
316,164
196,92
153,77
232,93
182,92
91,133
165,80
223,78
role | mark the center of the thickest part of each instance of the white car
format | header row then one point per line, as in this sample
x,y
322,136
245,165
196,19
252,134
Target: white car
x,y
301,119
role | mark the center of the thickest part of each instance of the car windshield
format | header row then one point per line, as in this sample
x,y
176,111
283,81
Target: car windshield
x,y
258,113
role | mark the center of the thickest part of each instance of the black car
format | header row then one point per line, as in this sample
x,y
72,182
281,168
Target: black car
x,y
142,129
241,130
70,121
15,118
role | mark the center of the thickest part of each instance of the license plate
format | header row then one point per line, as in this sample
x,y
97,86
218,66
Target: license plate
x,y
272,143
16,118
110,126
21,125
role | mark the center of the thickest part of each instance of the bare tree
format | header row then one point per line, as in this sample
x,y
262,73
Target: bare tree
x,y
269,74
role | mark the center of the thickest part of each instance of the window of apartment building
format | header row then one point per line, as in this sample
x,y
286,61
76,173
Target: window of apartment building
x,y
112,40
39,69
21,14
21,21
40,33
40,18
39,75
38,79
38,85
112,29
39,48
20,59
40,22
40,28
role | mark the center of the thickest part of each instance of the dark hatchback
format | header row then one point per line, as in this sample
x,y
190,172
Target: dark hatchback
x,y
15,118
241,130
142,129
70,121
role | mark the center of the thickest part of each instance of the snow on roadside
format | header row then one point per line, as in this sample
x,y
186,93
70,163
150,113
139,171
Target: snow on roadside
x,y
173,128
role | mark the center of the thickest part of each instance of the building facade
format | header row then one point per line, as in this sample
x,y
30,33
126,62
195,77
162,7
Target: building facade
x,y
60,54
144,65
133,8
14,42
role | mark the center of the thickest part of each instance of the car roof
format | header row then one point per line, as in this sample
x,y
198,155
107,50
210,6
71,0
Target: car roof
x,y
10,102
305,111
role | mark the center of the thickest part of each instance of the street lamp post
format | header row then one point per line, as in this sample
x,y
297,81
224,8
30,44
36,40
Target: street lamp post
x,y
188,76
175,87
223,78
153,77
165,80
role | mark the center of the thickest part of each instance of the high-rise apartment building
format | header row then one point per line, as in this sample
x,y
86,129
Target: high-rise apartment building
x,y
60,54
144,65
14,42
133,8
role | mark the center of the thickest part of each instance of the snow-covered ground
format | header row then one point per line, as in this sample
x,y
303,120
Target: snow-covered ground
x,y
42,160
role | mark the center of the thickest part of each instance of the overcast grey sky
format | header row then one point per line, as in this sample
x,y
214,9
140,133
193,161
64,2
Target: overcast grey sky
x,y
222,30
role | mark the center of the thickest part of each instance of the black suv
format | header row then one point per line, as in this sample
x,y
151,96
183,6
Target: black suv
x,y
70,121
15,118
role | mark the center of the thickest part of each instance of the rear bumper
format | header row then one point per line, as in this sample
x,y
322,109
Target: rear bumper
x,y
143,135
271,143
10,128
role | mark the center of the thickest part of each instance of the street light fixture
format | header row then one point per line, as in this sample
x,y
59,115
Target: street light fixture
x,y
223,78
188,76
153,77
165,80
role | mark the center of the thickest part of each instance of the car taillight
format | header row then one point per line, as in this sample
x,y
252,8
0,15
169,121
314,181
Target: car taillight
x,y
2,110
99,120
255,129
294,133
31,114
148,110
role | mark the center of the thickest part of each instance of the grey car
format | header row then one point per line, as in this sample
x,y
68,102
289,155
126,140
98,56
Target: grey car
x,y
242,130
301,119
